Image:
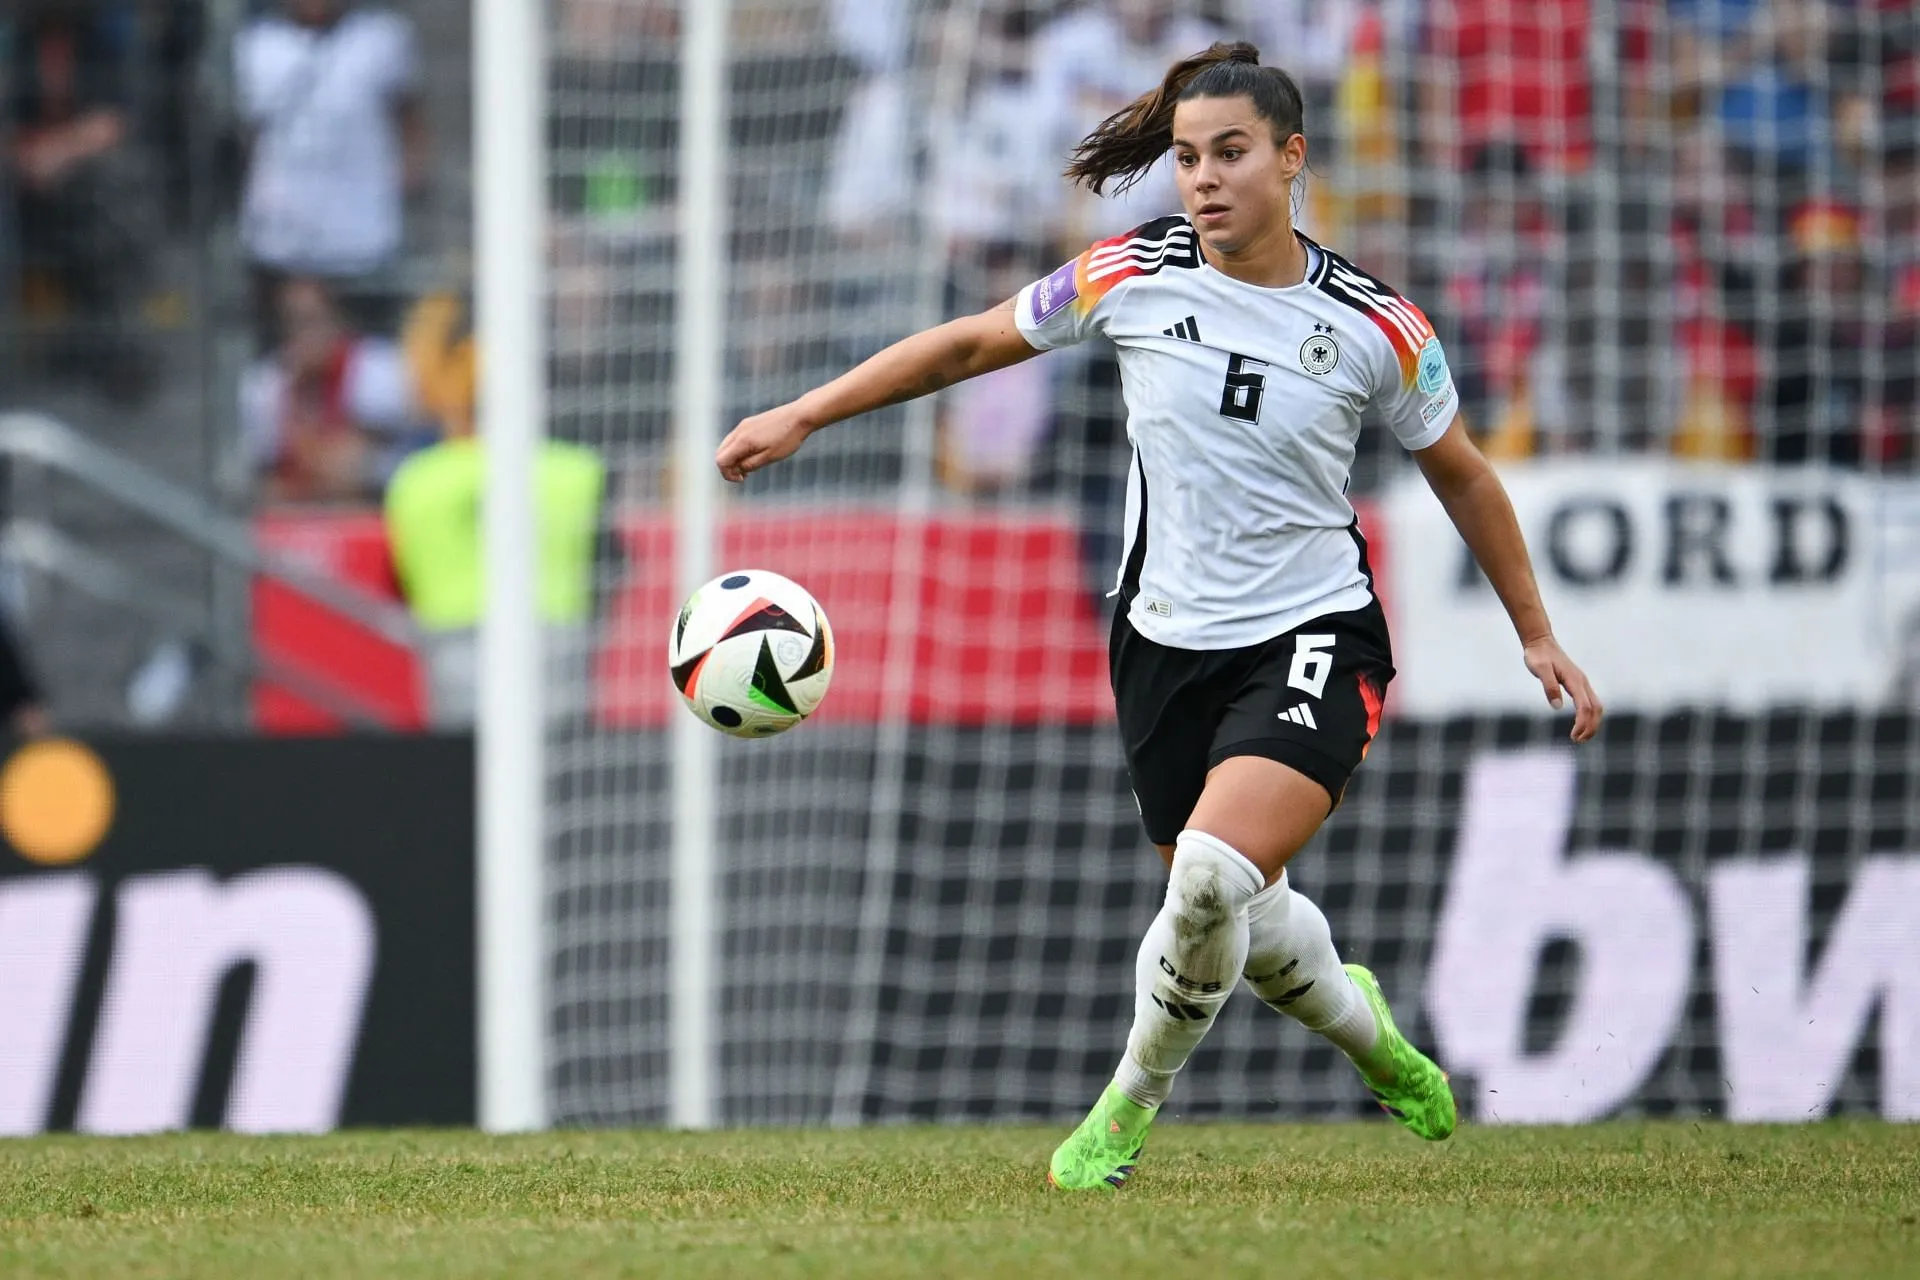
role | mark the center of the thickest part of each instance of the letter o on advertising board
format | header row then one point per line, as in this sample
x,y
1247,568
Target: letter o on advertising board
x,y
1590,541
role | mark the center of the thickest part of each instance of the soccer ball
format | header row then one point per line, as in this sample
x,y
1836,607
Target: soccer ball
x,y
752,653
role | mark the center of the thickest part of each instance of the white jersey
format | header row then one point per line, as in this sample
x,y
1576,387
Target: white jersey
x,y
323,192
1243,408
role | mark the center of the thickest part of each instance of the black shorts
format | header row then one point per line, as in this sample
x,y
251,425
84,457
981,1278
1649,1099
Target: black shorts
x,y
1309,698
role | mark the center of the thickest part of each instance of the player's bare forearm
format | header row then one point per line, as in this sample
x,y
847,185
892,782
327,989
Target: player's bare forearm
x,y
1482,512
1477,503
929,361
910,368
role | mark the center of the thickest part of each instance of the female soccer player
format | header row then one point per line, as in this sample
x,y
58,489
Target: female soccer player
x,y
1250,658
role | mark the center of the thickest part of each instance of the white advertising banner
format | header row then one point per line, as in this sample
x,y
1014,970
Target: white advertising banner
x,y
1675,585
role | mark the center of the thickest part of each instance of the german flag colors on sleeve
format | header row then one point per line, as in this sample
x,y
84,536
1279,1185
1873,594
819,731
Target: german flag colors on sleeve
x,y
1064,308
1413,387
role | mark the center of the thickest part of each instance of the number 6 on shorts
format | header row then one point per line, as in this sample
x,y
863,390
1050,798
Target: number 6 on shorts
x,y
1311,663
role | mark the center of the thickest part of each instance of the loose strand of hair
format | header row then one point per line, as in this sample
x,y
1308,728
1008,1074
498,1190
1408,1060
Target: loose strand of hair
x,y
1126,144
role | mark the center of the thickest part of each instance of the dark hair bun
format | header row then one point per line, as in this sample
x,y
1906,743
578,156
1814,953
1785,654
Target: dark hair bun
x,y
1244,52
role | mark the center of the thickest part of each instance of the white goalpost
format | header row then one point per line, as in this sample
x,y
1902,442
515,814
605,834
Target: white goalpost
x,y
509,103
511,192
698,378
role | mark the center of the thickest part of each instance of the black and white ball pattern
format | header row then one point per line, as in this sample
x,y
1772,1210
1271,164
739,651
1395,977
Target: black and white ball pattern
x,y
751,653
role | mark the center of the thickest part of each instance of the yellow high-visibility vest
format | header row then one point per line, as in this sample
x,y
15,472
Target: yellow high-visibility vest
x,y
433,526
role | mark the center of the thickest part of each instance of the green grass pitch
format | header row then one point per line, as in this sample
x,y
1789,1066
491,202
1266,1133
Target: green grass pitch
x,y
1311,1202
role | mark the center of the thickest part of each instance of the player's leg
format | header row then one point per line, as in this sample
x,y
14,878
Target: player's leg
x,y
1293,967
1167,701
1195,950
1188,964
1272,809
1252,815
1275,749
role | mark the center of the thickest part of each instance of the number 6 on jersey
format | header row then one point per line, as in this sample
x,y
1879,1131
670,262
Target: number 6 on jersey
x,y
1240,396
1312,660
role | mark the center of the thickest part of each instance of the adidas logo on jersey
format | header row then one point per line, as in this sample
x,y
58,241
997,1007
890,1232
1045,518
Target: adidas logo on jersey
x,y
1302,714
1187,330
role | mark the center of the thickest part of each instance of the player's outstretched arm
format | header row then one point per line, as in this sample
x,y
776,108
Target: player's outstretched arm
x,y
1477,503
912,367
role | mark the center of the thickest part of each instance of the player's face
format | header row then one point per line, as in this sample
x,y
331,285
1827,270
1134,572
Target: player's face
x,y
1235,178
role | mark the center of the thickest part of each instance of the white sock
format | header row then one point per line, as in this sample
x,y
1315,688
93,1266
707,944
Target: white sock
x,y
1193,951
1292,966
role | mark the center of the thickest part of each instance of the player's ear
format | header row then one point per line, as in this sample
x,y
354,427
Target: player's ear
x,y
1293,155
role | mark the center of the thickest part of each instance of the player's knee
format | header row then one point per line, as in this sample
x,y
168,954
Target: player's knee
x,y
1210,884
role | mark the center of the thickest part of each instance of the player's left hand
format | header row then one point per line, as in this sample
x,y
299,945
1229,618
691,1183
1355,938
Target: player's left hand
x,y
1560,678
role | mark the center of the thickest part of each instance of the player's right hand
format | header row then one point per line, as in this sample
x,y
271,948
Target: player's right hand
x,y
758,441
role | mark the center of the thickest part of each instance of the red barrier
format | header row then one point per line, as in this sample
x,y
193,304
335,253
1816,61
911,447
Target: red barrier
x,y
352,546
1003,624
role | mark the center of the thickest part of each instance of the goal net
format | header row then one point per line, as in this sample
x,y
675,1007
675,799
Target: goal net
x,y
931,894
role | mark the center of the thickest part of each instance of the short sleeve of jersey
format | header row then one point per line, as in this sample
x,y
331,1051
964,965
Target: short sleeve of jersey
x,y
1413,387
1064,308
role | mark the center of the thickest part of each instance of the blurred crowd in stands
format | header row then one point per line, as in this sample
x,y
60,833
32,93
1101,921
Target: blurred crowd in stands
x,y
1687,226
1679,226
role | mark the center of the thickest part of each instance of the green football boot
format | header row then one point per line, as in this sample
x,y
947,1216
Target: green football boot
x,y
1102,1152
1418,1095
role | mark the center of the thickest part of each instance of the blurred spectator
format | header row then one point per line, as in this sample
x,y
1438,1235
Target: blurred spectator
x,y
876,34
435,531
1720,366
971,170
1088,65
992,185
1521,73
1509,74
1875,65
989,199
440,354
85,216
970,165
1771,87
179,36
327,416
1900,181
991,427
910,121
1337,50
1842,387
871,182
1313,41
1774,107
1502,293
328,93
1707,36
